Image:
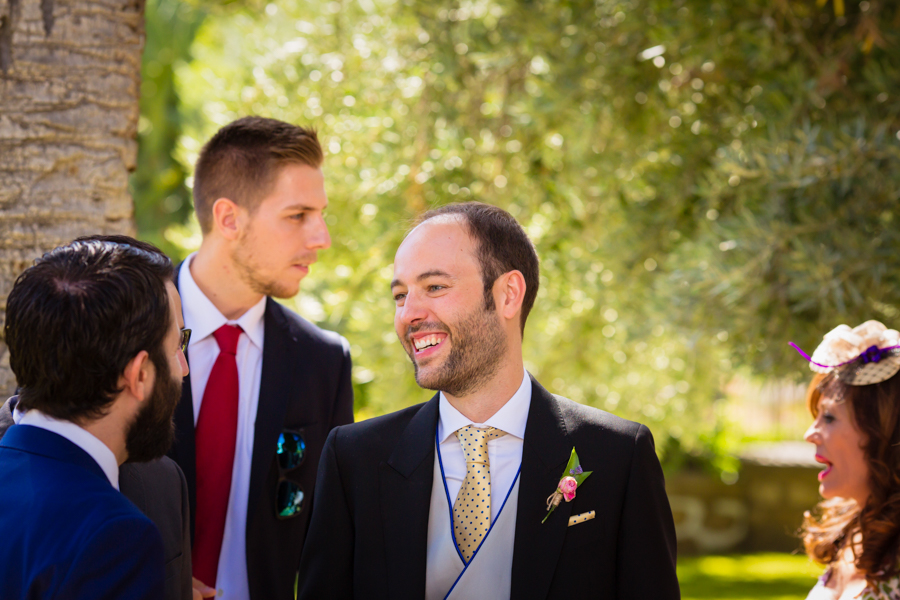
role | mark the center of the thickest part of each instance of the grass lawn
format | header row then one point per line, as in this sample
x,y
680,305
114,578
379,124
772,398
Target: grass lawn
x,y
772,576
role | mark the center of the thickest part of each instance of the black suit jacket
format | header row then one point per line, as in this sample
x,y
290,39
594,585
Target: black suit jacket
x,y
304,386
159,490
370,517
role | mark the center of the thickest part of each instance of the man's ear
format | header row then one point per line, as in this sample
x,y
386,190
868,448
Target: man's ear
x,y
225,214
137,378
509,293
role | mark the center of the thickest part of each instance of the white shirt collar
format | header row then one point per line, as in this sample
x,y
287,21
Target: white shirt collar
x,y
85,440
203,318
511,417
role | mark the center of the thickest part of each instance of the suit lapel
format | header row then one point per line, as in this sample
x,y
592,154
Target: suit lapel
x,y
544,455
405,488
183,450
280,381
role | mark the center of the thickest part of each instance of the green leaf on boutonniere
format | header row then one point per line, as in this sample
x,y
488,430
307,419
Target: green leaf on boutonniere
x,y
573,471
573,468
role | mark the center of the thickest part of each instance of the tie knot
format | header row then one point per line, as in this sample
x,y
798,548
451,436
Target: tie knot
x,y
474,441
227,337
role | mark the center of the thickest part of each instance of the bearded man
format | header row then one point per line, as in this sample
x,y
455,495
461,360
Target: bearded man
x,y
266,385
453,498
96,343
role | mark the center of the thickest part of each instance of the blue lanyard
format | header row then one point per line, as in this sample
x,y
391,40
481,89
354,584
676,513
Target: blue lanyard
x,y
450,506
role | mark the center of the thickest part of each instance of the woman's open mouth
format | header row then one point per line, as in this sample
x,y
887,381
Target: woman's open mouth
x,y
828,466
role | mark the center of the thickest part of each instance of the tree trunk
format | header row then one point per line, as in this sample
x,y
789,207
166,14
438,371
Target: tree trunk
x,y
69,91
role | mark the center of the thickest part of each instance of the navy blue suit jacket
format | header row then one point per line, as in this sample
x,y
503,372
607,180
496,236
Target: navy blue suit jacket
x,y
67,533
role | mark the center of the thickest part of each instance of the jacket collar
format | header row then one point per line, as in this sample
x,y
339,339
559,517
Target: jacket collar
x,y
405,488
417,441
35,440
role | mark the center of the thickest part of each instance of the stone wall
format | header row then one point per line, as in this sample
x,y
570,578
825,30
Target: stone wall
x,y
762,511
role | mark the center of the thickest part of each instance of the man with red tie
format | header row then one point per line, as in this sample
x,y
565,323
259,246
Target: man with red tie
x,y
266,386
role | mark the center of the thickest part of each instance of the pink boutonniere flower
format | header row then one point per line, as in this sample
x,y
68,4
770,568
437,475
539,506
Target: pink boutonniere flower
x,y
567,487
572,477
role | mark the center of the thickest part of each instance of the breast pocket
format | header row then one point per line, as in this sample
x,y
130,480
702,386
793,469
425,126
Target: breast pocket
x,y
173,576
312,441
584,533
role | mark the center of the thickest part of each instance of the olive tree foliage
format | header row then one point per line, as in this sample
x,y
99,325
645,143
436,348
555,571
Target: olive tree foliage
x,y
702,180
794,231
160,195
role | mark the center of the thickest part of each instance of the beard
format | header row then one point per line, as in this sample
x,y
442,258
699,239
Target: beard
x,y
479,345
251,272
152,432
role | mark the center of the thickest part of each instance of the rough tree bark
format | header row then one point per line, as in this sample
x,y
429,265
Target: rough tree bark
x,y
69,91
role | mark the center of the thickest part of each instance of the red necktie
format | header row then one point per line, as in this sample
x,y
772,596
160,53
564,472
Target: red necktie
x,y
215,440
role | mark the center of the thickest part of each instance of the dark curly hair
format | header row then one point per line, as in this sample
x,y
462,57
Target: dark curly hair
x,y
78,316
875,411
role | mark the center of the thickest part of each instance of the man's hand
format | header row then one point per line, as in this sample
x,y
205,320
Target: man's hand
x,y
201,590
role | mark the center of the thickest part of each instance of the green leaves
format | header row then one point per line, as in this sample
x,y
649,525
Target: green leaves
x,y
694,207
574,470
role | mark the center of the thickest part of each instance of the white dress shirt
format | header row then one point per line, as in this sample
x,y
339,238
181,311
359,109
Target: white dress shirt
x,y
493,563
85,440
505,452
203,319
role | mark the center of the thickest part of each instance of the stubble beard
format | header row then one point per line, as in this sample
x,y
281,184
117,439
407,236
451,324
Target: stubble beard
x,y
250,272
479,346
152,432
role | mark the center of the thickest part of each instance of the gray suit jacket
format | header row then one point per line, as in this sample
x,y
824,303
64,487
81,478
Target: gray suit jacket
x,y
159,489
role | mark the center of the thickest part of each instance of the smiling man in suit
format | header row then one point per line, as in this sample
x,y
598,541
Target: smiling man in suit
x,y
266,386
446,499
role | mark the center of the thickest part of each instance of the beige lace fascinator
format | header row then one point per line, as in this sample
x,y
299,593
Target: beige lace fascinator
x,y
867,354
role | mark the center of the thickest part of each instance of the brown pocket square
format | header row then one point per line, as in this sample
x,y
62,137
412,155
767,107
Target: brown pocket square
x,y
576,519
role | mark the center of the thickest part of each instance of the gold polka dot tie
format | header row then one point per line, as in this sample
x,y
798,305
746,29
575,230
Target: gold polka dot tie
x,y
472,509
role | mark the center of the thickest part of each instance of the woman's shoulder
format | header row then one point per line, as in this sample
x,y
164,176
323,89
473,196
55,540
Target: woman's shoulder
x,y
820,592
884,590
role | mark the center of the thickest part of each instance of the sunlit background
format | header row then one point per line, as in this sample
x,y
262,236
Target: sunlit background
x,y
704,180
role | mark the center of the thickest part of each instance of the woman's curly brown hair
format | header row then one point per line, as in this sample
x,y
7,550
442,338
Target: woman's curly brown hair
x,y
875,411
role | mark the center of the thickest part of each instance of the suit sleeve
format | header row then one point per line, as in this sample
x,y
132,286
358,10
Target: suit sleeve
x,y
123,560
326,564
343,408
646,557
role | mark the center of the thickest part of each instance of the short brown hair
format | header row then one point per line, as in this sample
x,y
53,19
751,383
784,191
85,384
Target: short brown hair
x,y
243,159
502,246
875,411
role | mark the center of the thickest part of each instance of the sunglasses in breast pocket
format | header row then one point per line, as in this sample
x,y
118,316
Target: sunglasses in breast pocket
x,y
291,453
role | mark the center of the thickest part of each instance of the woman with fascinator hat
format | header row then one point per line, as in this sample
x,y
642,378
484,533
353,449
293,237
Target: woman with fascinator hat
x,y
854,398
